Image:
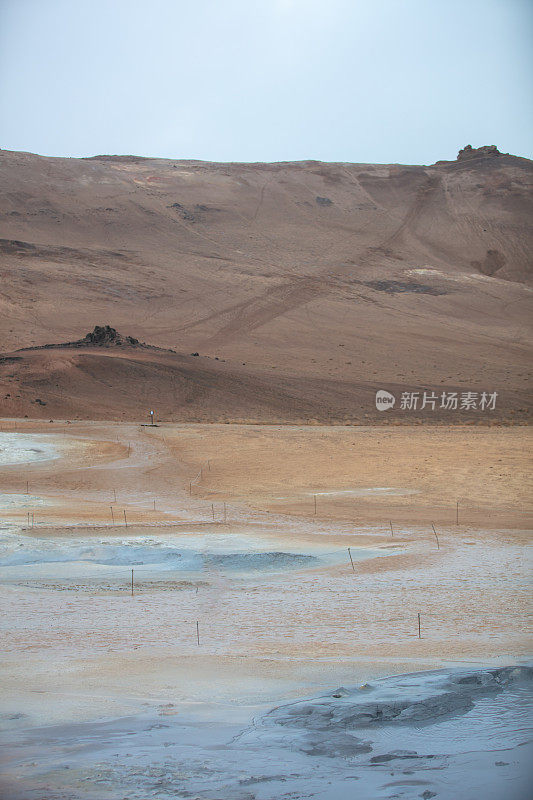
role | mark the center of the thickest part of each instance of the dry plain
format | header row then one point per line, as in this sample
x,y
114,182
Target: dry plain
x,y
220,527
300,623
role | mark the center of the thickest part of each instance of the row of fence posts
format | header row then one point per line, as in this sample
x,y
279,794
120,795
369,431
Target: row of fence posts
x,y
392,534
390,523
31,515
126,522
225,512
200,475
198,623
225,518
190,493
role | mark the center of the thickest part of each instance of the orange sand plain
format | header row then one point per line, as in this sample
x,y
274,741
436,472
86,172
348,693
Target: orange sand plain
x,y
86,648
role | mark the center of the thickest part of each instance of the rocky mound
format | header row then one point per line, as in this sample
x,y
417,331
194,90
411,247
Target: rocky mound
x,y
101,336
105,336
486,151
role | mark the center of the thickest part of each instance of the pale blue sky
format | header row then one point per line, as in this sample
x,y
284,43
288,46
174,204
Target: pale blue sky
x,y
407,81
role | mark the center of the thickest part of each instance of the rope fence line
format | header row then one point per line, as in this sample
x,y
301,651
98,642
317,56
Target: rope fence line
x,y
412,627
466,621
324,498
414,537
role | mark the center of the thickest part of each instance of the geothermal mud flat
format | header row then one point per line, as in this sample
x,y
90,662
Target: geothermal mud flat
x,y
252,658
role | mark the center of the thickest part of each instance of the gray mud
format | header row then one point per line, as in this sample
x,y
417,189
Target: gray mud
x,y
368,742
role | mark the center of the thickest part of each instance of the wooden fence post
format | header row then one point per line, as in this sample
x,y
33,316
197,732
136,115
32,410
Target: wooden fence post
x,y
436,537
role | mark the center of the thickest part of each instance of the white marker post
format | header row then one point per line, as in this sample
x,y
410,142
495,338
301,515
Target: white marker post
x,y
151,417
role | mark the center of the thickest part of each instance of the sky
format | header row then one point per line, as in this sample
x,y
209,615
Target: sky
x,y
378,81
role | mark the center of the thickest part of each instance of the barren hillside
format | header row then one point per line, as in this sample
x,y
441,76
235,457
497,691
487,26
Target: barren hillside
x,y
303,287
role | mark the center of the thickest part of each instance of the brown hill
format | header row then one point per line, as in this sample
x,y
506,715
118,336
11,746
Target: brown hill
x,y
312,284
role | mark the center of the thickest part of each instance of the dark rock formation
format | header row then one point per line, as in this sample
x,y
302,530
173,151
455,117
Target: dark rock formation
x,y
486,151
101,336
105,336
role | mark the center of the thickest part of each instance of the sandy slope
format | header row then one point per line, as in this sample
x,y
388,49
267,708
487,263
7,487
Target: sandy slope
x,y
313,284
